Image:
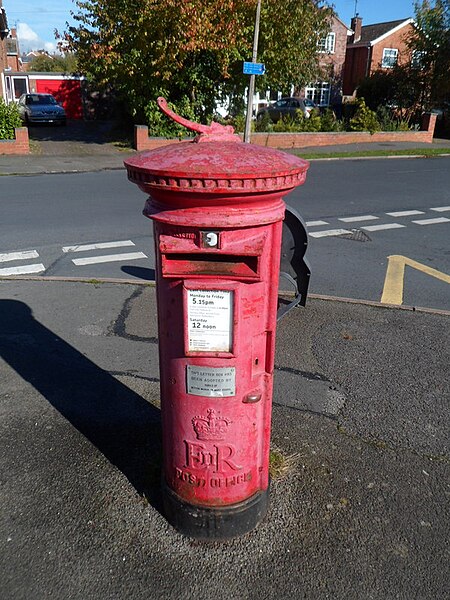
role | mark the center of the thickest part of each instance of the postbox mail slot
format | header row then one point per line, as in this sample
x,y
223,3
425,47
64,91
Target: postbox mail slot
x,y
227,265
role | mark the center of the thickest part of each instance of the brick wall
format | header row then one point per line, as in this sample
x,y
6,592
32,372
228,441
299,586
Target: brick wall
x,y
305,140
20,145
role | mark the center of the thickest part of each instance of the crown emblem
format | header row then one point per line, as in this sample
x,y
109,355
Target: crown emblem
x,y
210,428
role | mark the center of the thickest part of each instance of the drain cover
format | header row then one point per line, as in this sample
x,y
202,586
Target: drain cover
x,y
356,235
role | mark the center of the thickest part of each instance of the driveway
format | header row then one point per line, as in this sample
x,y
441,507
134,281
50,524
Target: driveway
x,y
78,138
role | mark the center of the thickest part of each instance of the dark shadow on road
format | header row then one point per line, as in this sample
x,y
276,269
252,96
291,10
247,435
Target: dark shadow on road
x,y
116,420
139,272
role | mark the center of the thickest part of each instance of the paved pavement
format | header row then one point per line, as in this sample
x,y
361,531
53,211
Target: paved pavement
x,y
360,408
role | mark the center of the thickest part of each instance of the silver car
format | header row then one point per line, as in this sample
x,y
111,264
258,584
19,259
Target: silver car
x,y
41,108
287,107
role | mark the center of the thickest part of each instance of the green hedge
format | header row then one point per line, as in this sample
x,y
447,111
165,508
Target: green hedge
x,y
361,119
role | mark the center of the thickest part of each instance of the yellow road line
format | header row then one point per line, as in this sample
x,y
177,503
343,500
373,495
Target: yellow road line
x,y
395,275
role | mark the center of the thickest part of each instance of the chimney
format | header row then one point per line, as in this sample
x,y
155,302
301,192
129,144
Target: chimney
x,y
356,25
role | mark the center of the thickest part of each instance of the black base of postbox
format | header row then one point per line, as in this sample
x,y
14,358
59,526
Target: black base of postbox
x,y
221,523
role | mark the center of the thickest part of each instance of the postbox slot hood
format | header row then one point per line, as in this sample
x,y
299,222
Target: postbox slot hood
x,y
190,264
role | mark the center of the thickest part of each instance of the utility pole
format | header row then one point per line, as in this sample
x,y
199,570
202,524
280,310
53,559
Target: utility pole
x,y
251,87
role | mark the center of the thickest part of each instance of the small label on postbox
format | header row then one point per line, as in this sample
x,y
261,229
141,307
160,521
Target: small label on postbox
x,y
215,382
210,320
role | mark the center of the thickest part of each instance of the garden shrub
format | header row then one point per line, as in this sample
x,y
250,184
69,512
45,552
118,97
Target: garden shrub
x,y
264,123
161,126
364,118
238,122
313,124
287,124
9,120
329,122
388,122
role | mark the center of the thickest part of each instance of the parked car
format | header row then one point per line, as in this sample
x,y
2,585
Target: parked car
x,y
41,108
287,107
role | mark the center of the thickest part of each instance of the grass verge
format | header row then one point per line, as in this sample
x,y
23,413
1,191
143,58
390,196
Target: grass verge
x,y
368,153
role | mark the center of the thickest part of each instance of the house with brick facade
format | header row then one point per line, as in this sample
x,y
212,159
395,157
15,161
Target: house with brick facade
x,y
374,47
332,52
9,55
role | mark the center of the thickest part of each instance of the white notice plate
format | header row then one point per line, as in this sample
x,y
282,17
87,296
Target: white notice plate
x,y
216,382
210,320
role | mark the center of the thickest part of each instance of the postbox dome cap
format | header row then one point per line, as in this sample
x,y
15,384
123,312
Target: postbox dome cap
x,y
215,162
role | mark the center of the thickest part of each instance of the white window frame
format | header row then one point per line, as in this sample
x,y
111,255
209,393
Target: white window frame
x,y
319,92
417,57
328,43
390,58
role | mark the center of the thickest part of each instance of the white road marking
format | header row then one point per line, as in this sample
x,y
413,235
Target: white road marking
x,y
441,208
27,254
381,227
92,260
316,223
361,218
432,221
405,213
23,270
328,232
98,246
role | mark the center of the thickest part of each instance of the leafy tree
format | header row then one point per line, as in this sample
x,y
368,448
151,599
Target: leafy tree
x,y
66,63
289,34
400,88
431,43
424,82
192,51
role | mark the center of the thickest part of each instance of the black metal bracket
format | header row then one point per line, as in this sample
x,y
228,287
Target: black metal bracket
x,y
294,267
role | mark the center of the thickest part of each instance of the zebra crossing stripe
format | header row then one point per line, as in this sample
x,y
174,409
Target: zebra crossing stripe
x,y
432,221
98,246
25,255
382,227
441,208
328,232
22,270
93,260
356,219
405,213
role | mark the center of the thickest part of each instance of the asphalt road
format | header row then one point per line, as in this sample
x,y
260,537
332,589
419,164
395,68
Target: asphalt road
x,y
354,265
46,216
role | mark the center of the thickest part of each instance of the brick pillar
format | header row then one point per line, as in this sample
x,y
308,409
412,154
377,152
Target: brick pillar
x,y
140,137
22,140
428,124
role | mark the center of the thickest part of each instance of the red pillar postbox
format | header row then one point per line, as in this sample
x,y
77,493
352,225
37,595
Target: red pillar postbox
x,y
217,209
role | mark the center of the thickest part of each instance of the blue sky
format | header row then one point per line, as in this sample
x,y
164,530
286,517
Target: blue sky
x,y
36,19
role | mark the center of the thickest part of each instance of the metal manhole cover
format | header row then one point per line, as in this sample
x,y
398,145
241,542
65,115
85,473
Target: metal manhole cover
x,y
356,235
